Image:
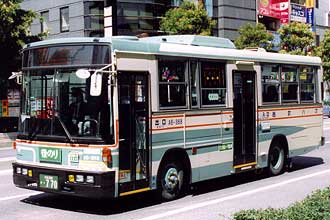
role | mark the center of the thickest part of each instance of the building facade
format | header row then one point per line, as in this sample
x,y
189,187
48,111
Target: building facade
x,y
231,15
86,18
97,18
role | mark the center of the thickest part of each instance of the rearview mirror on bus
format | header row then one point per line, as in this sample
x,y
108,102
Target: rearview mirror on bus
x,y
96,84
83,73
17,76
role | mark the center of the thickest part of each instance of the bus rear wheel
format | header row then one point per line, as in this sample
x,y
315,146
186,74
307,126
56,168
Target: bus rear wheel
x,y
172,181
276,159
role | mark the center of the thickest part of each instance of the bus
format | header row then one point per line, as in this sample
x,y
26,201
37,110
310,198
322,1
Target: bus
x,y
111,117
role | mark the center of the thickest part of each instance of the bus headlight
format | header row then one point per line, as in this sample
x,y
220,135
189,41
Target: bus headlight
x,y
18,170
80,178
90,179
24,171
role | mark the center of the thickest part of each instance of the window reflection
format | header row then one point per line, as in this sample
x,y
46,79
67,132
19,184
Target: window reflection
x,y
172,83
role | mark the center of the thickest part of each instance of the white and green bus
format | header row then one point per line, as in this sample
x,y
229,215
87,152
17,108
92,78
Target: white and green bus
x,y
110,117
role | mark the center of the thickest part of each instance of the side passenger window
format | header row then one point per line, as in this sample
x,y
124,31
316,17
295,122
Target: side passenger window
x,y
172,83
213,83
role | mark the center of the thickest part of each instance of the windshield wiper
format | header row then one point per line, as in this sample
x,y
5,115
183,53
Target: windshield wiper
x,y
67,133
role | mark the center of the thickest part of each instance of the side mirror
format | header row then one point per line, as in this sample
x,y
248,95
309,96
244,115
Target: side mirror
x,y
83,73
96,84
18,76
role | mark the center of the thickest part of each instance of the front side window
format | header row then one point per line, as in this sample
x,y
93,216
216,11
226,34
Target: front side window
x,y
307,84
289,77
64,16
172,83
213,83
270,83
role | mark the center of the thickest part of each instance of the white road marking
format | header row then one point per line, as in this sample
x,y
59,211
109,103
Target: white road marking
x,y
328,142
7,159
18,196
6,148
325,129
246,193
6,172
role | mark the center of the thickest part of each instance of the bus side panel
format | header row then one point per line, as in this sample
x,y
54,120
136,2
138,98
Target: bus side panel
x,y
210,135
301,125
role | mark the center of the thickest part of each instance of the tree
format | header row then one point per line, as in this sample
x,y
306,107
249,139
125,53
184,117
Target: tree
x,y
325,55
254,36
296,38
187,19
14,33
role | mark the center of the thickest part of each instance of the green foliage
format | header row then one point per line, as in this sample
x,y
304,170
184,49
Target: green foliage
x,y
325,55
314,207
254,36
187,19
14,33
296,38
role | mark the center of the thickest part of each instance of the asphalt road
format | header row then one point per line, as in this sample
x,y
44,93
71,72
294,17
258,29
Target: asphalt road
x,y
215,199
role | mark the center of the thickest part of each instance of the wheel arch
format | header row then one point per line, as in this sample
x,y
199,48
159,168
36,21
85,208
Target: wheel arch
x,y
281,138
175,154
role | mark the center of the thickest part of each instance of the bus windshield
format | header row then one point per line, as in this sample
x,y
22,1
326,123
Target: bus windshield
x,y
57,106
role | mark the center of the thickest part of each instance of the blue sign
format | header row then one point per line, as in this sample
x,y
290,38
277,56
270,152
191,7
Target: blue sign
x,y
310,18
298,13
276,41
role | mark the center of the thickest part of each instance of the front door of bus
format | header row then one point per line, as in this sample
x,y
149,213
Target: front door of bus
x,y
133,131
244,119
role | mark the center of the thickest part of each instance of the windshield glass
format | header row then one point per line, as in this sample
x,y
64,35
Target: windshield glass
x,y
57,105
66,55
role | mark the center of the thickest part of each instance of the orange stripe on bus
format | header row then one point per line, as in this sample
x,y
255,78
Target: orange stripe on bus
x,y
193,126
167,116
291,117
283,109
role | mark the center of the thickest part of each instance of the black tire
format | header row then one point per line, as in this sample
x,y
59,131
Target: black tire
x,y
172,181
276,159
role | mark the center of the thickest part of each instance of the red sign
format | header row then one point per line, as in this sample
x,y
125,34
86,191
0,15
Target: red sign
x,y
276,9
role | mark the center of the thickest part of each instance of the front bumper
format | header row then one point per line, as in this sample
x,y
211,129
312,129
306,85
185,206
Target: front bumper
x,y
103,186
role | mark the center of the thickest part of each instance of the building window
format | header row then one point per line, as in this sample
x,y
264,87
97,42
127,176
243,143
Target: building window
x,y
44,21
94,15
176,3
317,40
64,14
213,83
209,7
270,83
307,84
135,18
289,78
300,2
172,83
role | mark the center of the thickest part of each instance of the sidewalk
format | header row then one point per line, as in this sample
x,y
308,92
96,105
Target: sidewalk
x,y
7,138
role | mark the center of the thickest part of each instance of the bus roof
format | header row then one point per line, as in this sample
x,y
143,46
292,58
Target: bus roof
x,y
187,46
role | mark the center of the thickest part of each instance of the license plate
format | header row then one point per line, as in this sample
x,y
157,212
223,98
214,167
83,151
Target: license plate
x,y
48,181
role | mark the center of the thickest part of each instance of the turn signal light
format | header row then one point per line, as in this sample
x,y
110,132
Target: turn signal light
x,y
30,173
14,145
71,178
106,156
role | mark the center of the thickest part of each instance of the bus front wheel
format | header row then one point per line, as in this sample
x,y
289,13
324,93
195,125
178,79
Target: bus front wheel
x,y
276,159
172,181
